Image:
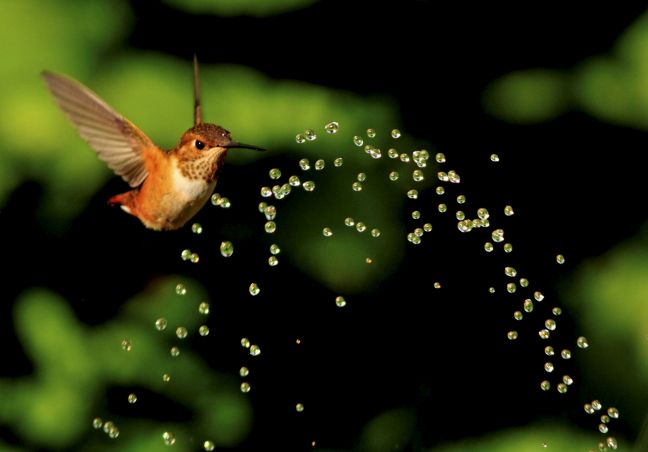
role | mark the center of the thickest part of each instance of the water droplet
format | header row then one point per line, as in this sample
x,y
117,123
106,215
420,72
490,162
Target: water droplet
x,y
273,261
437,285
208,446
203,308
226,248
488,246
419,232
497,235
544,333
320,164
169,438
549,350
550,324
274,249
266,192
545,385
512,335
97,423
254,289
510,272
528,305
538,295
161,324
588,408
245,342
270,212
508,211
299,138
348,221
338,162
453,177
309,185
360,226
524,282
373,151
375,232
224,203
427,227
294,181
270,227
548,367
491,290
310,134
393,176
180,289
361,177
417,175
113,432
556,311
439,190
214,198
465,225
508,247
126,345
416,214
181,332
196,228
603,428
562,388
358,141
304,164
392,153
107,426
203,330
327,232
175,352
371,133
560,259
611,442
565,354
395,133
356,186
255,350
340,302
132,398
511,287
596,405
582,342
567,380
166,377
494,158
412,194
613,412
299,407
404,158
332,127
517,315
440,157
369,260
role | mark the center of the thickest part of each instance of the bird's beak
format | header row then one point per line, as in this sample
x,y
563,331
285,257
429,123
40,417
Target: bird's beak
x,y
236,144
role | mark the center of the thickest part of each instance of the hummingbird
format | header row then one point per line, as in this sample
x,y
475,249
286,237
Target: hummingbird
x,y
168,187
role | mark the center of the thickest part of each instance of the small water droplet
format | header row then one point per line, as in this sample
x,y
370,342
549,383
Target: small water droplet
x,y
427,227
327,232
560,259
567,380
358,141
488,246
175,351
603,428
550,324
548,367
310,134
497,235
274,249
132,398
511,287
517,315
208,446
508,247
392,153
544,333
512,335
203,330
226,248
332,127
545,385
245,387
611,442
393,176
375,232
596,405
97,423
214,198
565,354
360,226
294,181
299,138
582,342
494,158
304,164
224,203
369,260
309,185
338,162
412,194
538,295
361,177
196,228
588,408
417,175
181,332
126,345
373,151
270,227
453,177
436,285
340,302
491,290
528,305
404,158
319,164
180,289
161,324
169,438
266,192
440,157
524,282
508,211
273,261
274,173
348,221
395,133
549,350
166,377
371,133
255,350
254,289
245,342
510,272
556,311
299,407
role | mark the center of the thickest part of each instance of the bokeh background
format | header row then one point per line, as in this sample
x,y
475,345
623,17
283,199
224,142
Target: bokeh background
x,y
558,91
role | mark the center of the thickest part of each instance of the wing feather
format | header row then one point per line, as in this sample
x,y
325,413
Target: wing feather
x,y
116,140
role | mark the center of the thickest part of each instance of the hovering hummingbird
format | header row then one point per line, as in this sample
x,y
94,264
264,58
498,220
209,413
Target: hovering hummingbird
x,y
169,187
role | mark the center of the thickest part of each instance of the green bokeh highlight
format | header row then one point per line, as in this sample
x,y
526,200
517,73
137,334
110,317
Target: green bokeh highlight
x,y
240,7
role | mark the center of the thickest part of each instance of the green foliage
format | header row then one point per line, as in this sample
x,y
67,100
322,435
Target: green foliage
x,y
240,7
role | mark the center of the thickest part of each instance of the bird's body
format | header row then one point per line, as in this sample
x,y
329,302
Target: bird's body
x,y
169,187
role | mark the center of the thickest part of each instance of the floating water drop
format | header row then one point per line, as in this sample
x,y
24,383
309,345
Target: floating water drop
x,y
392,153
375,232
427,227
361,177
440,157
588,408
611,442
181,332
494,158
508,211
545,385
550,324
510,272
245,342
416,214
373,151
497,235
562,388
567,380
511,287
528,305
196,228
360,226
560,259
126,345
371,133
169,438
508,247
270,212
544,333
404,158
203,330
327,232
255,350
208,446
273,261
254,289
270,227
245,387
175,352
166,377
613,412
309,185
548,367
488,246
517,315
226,248
274,249
393,176
348,221
524,282
244,371
512,335
338,162
549,350
453,177
412,194
538,295
299,138
310,134
304,164
340,302
319,164
565,354
180,289
161,324
358,141
132,398
332,127
266,192
582,342
417,175
556,311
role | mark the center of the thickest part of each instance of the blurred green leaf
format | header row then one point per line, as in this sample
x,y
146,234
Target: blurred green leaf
x,y
240,7
389,431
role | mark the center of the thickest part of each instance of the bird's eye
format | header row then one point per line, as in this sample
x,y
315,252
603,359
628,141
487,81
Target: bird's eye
x,y
199,145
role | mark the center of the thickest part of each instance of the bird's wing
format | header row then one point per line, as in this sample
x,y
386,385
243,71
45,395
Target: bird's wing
x,y
117,141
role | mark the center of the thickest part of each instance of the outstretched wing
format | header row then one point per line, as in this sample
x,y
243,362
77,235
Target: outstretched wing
x,y
117,141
